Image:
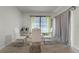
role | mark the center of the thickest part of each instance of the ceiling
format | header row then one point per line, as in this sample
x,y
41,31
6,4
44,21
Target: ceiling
x,y
44,9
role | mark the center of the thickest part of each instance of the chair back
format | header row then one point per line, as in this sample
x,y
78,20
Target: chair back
x,y
36,35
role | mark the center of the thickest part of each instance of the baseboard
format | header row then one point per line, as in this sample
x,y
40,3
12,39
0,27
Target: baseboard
x,y
76,50
3,46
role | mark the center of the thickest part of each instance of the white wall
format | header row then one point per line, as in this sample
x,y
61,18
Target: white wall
x,y
10,18
75,28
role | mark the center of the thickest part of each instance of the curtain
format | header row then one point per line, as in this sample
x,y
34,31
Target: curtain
x,y
48,24
65,22
32,23
62,27
58,27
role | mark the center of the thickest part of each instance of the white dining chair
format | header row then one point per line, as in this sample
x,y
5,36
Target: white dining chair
x,y
19,39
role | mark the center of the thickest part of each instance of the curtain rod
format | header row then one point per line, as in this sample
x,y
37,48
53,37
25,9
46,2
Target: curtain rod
x,y
72,8
38,16
69,9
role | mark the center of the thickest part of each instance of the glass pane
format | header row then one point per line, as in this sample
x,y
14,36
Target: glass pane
x,y
43,25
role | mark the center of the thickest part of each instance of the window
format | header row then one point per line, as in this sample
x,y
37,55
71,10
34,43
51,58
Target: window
x,y
42,22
